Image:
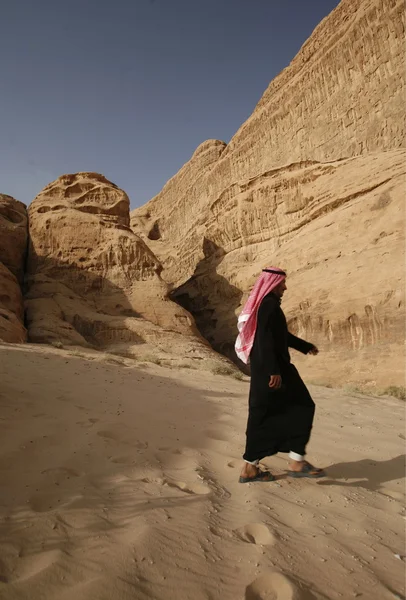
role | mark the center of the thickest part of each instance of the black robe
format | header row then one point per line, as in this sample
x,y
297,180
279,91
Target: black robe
x,y
278,420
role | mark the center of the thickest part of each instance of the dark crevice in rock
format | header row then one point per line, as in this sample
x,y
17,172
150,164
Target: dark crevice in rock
x,y
212,301
154,233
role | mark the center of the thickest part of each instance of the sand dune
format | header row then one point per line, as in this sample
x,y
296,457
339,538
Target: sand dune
x,y
119,482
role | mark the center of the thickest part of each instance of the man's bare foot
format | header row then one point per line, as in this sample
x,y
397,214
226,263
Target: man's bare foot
x,y
296,466
249,470
252,473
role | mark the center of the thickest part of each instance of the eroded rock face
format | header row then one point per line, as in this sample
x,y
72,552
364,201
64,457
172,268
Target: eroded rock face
x,y
338,229
91,280
342,95
313,182
13,244
183,198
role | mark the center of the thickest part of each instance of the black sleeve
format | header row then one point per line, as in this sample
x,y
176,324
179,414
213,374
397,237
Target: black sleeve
x,y
298,344
265,338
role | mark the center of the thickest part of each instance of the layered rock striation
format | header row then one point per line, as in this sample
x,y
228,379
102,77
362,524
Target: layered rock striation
x,y
91,281
13,245
313,181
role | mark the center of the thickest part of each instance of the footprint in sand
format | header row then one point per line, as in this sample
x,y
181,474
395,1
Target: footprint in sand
x,y
154,480
170,450
61,473
226,417
108,435
274,586
33,565
123,460
217,437
88,423
200,489
221,532
46,502
176,461
141,445
256,533
122,437
233,463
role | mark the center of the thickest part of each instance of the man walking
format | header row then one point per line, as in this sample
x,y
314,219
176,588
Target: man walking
x,y
281,409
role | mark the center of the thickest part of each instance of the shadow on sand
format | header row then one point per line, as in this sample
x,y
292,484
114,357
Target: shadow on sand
x,y
103,447
368,474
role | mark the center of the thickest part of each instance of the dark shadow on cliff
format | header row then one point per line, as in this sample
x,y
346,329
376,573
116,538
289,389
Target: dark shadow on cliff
x,y
74,305
212,301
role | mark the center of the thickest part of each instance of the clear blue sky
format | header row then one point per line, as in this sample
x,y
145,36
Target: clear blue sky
x,y
129,88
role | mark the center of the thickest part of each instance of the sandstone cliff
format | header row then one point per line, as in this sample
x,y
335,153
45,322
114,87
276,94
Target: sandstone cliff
x,y
13,243
92,282
313,181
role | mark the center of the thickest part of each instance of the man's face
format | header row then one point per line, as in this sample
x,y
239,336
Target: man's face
x,y
279,290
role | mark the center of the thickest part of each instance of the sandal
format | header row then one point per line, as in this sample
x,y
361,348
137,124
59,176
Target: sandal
x,y
264,476
308,471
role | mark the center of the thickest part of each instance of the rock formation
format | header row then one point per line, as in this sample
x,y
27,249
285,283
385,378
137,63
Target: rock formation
x,y
314,182
92,282
13,243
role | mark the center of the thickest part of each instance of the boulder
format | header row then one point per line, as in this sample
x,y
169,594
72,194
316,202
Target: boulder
x,y
13,246
92,282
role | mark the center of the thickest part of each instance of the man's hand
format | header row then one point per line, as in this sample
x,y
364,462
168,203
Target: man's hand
x,y
275,382
314,351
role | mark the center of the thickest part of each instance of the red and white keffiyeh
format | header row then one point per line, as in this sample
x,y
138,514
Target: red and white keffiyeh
x,y
247,321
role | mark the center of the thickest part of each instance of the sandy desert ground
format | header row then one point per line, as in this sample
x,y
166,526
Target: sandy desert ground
x,y
119,481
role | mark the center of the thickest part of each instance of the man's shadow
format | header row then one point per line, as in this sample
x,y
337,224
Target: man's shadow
x,y
367,473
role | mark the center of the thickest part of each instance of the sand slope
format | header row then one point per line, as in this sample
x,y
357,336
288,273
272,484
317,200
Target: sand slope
x,y
119,482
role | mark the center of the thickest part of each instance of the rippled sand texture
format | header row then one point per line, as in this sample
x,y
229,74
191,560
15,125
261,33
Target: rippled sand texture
x,y
120,482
